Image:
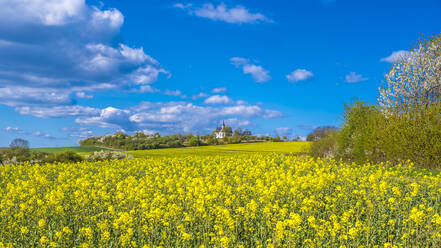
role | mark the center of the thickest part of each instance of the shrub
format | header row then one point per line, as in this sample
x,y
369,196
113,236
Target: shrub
x,y
325,147
194,141
415,135
16,155
361,135
39,157
64,157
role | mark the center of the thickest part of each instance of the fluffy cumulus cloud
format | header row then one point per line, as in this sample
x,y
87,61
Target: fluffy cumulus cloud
x,y
257,72
175,117
53,50
217,99
394,56
238,14
353,77
299,75
109,118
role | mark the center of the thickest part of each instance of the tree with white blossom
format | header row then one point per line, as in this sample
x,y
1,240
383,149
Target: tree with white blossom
x,y
414,81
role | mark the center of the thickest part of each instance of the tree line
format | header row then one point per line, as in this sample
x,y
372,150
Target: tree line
x,y
141,141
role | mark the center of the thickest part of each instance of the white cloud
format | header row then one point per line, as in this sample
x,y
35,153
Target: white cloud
x,y
353,77
57,111
147,88
221,12
17,96
175,117
257,72
173,92
13,130
42,135
299,75
22,132
64,47
108,118
45,12
182,6
112,18
237,123
219,90
83,95
217,99
78,132
200,95
397,55
238,61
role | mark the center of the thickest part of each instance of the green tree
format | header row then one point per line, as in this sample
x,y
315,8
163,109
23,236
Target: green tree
x,y
320,133
194,141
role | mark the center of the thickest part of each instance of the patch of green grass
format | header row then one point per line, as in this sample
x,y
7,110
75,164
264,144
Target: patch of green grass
x,y
71,148
283,147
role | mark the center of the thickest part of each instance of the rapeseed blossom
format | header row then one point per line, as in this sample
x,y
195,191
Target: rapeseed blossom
x,y
245,200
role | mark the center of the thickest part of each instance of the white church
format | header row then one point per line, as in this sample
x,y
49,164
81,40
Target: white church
x,y
220,131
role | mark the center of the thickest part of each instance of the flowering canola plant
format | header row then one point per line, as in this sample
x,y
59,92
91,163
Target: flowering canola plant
x,y
245,200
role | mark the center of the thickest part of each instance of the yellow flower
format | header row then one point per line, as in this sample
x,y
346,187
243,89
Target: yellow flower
x,y
24,229
41,223
44,240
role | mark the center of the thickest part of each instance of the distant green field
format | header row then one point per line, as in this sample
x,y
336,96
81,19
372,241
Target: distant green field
x,y
284,147
71,148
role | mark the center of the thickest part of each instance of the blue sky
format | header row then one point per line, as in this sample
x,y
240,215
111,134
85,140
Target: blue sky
x,y
70,69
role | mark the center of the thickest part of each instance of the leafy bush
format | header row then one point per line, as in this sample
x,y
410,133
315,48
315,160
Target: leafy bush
x,y
15,155
369,134
64,157
325,147
415,135
361,135
194,141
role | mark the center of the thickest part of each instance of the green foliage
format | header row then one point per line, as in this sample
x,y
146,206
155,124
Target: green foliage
x,y
15,155
64,157
360,137
39,156
406,123
21,155
194,141
228,131
326,146
369,134
415,135
320,133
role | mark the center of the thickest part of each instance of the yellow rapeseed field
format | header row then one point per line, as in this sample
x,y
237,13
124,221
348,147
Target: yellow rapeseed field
x,y
243,200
